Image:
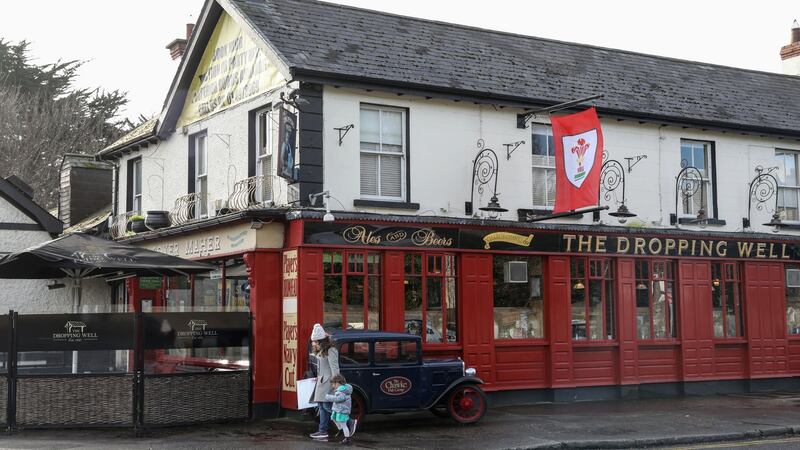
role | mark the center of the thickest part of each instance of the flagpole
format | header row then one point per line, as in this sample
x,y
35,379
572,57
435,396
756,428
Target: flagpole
x,y
574,212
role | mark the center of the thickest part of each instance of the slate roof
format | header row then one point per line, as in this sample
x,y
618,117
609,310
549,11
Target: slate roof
x,y
335,41
145,130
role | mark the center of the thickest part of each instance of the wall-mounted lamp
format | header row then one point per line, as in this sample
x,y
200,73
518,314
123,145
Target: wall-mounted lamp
x,y
312,198
762,188
612,176
688,182
641,286
578,286
484,170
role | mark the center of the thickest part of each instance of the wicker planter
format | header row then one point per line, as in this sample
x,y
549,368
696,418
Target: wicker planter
x,y
137,225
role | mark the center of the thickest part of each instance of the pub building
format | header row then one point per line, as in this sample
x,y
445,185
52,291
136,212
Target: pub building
x,y
365,170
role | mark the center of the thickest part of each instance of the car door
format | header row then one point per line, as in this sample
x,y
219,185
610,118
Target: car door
x,y
354,363
395,374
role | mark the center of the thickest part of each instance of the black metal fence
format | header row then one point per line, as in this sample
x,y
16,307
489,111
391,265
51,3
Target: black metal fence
x,y
124,369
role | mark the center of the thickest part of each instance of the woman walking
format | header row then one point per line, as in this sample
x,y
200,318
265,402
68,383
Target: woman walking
x,y
327,356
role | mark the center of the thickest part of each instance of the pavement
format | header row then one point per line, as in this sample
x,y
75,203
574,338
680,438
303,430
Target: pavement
x,y
591,425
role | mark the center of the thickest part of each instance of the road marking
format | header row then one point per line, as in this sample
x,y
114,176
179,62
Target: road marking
x,y
739,444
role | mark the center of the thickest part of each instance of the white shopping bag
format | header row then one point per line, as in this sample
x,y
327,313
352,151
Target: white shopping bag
x,y
305,389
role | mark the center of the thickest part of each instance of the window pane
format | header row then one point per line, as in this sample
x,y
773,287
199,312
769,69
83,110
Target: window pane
x,y
355,302
551,187
792,300
355,262
391,176
686,154
717,300
733,311
200,154
369,174
374,306
370,126
700,159
413,263
539,145
596,328
643,299
791,170
451,309
137,177
392,128
332,302
434,310
395,352
413,305
354,354
610,314
578,289
539,186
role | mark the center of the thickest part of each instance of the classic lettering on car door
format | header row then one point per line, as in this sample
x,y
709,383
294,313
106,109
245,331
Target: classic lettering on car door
x,y
396,382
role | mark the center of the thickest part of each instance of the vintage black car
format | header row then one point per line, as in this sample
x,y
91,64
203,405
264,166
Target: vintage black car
x,y
388,374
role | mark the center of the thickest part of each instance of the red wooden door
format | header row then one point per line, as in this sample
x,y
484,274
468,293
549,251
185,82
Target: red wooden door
x,y
476,314
559,329
696,328
765,319
626,322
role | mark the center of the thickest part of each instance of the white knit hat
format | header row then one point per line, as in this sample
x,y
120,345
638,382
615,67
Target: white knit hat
x,y
318,333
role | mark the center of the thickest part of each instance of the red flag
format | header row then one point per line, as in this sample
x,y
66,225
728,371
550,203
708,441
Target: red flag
x,y
579,157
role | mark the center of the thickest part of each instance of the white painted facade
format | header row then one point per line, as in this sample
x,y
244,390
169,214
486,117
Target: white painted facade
x,y
29,296
442,144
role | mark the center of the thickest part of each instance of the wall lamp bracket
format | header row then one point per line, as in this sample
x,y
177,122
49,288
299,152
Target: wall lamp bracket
x,y
510,150
633,160
343,132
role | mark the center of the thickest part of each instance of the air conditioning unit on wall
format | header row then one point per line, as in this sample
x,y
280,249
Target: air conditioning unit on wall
x,y
793,278
515,272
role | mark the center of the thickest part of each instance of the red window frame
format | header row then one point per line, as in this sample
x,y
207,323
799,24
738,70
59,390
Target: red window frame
x,y
723,273
593,271
646,283
366,265
428,269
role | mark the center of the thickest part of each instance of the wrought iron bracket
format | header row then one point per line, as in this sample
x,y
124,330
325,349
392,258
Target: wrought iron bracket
x,y
484,169
762,188
633,160
343,132
524,118
688,182
510,150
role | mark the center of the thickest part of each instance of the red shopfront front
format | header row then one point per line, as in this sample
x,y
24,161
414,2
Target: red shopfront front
x,y
563,312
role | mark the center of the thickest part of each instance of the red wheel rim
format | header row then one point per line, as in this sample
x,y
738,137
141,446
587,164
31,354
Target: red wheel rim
x,y
467,404
357,408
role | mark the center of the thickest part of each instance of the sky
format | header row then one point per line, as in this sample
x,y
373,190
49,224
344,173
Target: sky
x,y
123,42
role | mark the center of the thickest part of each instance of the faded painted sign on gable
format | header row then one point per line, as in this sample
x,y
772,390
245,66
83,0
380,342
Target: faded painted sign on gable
x,y
233,69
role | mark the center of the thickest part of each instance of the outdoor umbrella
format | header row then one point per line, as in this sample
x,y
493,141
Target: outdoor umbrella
x,y
79,256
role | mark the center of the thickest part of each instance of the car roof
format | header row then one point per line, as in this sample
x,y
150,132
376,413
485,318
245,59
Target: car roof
x,y
370,334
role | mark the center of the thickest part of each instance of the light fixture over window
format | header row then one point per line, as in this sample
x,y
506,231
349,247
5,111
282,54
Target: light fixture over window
x,y
578,286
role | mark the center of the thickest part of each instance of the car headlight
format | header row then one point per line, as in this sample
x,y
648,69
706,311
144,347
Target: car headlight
x,y
470,372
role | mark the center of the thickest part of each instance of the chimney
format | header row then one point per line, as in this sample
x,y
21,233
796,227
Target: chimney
x,y
790,54
178,46
85,188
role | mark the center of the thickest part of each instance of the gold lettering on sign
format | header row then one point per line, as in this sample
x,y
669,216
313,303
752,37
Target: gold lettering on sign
x,y
745,248
429,238
600,244
669,244
584,242
683,244
722,249
705,248
654,250
396,236
569,238
638,246
771,253
511,238
360,235
760,248
783,252
623,245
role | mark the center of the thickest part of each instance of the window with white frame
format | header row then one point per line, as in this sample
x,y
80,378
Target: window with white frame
x,y
543,162
136,186
698,154
265,135
788,186
383,152
201,175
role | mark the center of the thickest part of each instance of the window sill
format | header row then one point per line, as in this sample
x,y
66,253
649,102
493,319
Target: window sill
x,y
583,344
710,222
658,343
386,204
732,341
520,342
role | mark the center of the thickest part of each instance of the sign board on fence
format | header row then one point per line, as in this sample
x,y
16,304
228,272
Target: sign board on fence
x,y
56,332
305,389
196,330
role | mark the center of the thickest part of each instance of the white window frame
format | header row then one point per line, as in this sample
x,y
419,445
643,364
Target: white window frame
x,y
403,155
136,196
548,132
201,206
784,188
706,175
264,150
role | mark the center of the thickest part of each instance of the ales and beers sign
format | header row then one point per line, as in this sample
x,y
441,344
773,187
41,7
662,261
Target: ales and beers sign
x,y
546,241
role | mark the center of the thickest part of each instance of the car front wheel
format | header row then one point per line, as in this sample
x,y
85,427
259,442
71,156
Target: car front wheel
x,y
466,403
